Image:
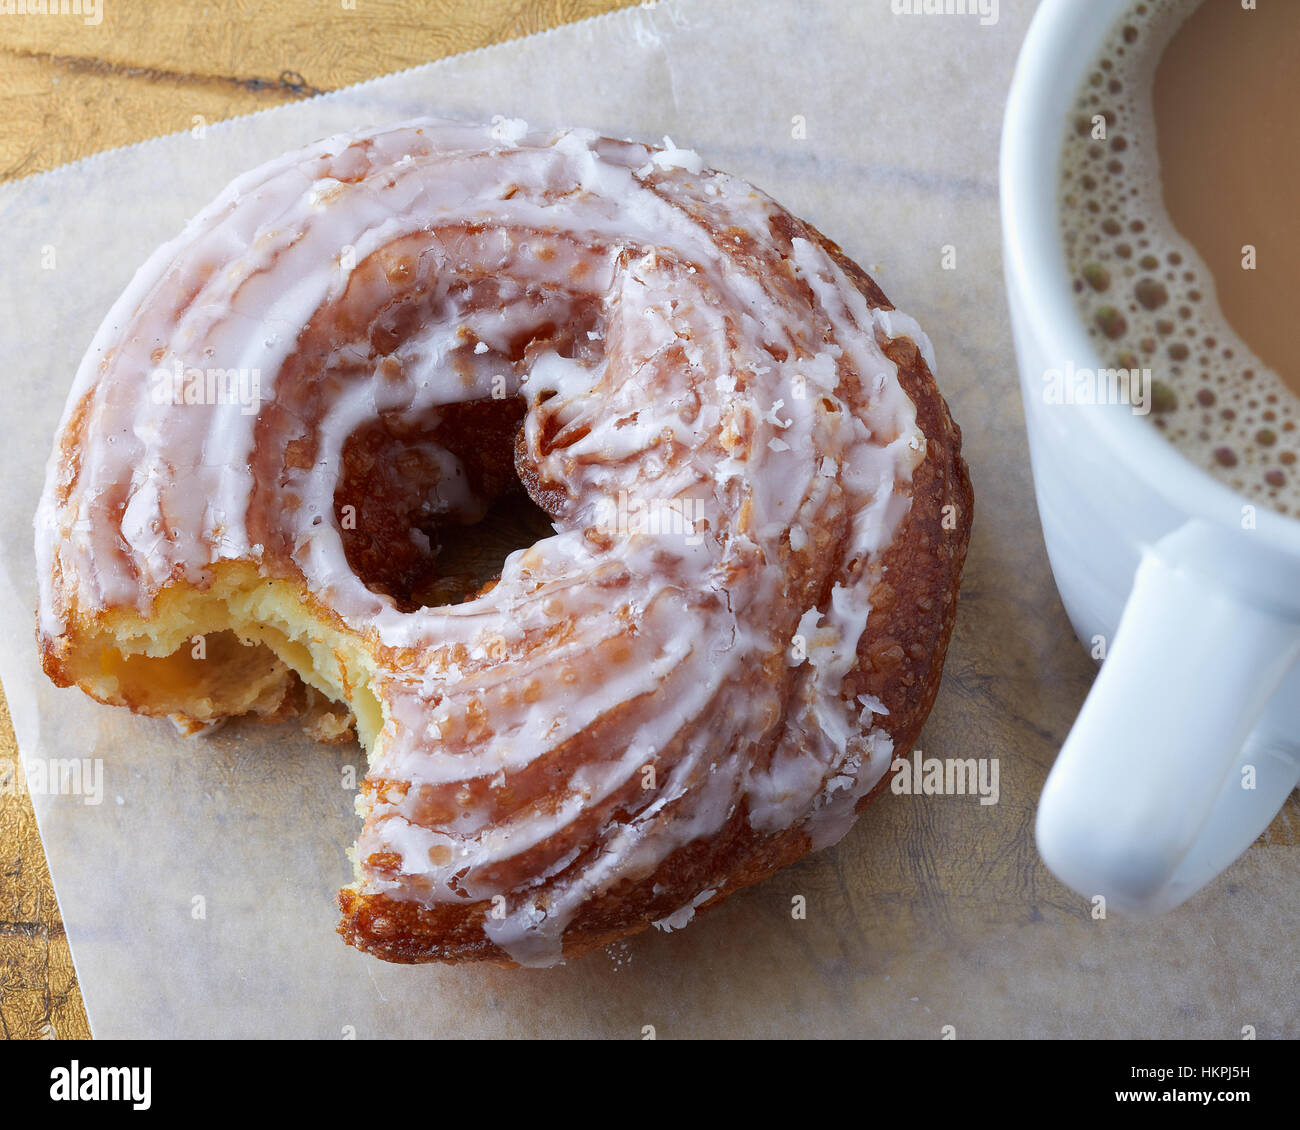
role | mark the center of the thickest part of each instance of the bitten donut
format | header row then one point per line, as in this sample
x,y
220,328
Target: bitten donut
x,y
701,671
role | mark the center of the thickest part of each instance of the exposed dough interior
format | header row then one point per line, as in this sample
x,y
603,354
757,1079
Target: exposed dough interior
x,y
257,635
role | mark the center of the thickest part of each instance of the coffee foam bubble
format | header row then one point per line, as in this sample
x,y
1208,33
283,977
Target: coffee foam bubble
x,y
1146,295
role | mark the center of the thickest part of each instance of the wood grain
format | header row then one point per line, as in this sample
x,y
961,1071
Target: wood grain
x,y
72,88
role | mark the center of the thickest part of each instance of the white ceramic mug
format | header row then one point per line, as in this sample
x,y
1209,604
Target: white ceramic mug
x,y
1189,741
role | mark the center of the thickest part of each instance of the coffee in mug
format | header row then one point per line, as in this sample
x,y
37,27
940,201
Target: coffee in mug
x,y
1182,231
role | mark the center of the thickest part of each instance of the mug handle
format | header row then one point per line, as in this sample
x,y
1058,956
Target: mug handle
x,y
1147,801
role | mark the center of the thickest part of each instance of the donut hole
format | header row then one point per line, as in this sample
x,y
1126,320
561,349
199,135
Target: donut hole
x,y
429,507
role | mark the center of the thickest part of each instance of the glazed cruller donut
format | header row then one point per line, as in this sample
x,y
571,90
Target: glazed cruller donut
x,y
759,517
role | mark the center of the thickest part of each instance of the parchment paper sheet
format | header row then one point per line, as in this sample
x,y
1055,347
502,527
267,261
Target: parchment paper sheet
x,y
934,911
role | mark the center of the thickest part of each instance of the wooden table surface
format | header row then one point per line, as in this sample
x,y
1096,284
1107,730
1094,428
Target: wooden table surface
x,y
71,88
